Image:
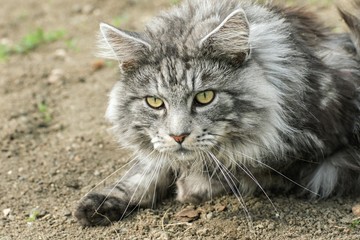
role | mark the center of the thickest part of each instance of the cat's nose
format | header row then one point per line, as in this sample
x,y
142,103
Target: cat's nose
x,y
179,138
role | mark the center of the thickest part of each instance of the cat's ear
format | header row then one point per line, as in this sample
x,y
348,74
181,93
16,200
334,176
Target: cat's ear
x,y
230,39
129,48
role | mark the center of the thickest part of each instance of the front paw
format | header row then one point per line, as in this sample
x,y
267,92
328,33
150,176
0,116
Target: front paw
x,y
99,209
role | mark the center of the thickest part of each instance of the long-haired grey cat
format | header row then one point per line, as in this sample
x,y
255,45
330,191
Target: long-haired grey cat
x,y
219,97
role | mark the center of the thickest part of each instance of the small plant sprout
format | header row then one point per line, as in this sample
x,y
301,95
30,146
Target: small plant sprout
x,y
30,42
36,38
44,110
34,213
355,223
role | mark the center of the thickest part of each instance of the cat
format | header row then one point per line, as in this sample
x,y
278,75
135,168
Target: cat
x,y
233,96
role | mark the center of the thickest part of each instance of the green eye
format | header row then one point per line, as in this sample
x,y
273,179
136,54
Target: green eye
x,y
205,97
154,102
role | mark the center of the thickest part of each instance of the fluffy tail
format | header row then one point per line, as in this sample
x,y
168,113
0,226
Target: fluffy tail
x,y
350,12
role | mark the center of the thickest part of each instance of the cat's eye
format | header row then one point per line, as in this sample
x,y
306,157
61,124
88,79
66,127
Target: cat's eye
x,y
155,102
205,97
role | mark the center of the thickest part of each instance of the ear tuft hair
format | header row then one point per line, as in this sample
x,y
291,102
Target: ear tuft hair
x,y
230,39
126,47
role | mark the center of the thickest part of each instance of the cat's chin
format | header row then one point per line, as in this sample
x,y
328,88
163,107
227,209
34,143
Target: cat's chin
x,y
183,154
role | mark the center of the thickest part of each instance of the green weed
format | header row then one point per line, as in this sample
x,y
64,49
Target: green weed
x,y
33,215
30,42
355,223
44,110
36,38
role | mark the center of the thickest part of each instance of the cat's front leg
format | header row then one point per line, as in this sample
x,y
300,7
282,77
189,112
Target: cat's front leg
x,y
197,187
143,185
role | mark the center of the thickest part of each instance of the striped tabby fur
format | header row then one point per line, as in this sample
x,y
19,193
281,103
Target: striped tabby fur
x,y
285,113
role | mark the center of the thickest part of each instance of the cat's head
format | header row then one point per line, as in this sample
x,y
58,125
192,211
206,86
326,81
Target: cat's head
x,y
187,87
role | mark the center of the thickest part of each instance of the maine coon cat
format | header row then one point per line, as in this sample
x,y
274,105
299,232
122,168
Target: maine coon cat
x,y
230,96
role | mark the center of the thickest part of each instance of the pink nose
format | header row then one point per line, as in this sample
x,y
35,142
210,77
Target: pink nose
x,y
179,138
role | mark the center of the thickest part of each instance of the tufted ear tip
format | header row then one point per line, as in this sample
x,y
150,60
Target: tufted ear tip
x,y
113,34
126,47
230,39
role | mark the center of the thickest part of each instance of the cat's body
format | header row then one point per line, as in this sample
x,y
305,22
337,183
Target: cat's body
x,y
230,96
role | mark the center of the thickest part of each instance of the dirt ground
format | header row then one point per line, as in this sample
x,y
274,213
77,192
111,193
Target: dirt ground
x,y
54,144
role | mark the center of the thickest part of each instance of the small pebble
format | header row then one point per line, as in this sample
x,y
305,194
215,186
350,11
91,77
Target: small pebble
x,y
77,159
6,41
72,183
60,54
220,208
356,210
98,64
56,75
188,214
97,173
6,212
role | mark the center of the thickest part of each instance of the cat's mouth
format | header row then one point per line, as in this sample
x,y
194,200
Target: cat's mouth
x,y
183,153
188,150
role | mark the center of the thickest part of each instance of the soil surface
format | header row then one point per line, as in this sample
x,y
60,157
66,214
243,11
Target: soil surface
x,y
55,147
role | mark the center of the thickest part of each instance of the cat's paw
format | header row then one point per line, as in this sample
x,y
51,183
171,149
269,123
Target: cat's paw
x,y
98,209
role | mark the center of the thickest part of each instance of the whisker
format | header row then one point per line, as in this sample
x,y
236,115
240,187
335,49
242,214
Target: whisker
x,y
112,174
155,173
281,174
215,172
112,189
227,176
249,174
245,138
117,182
152,176
146,172
208,173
